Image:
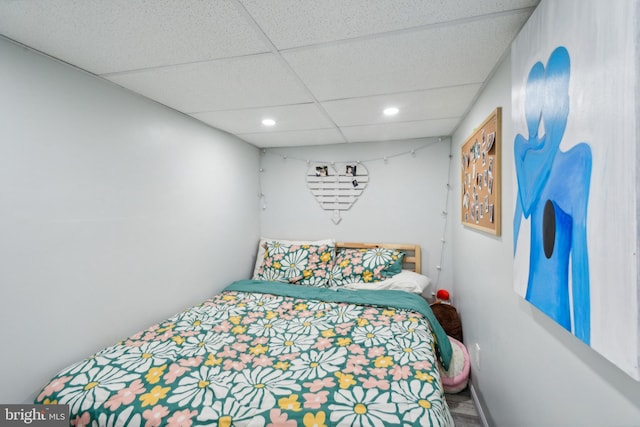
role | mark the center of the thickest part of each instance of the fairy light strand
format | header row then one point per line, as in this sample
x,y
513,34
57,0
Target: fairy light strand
x,y
262,198
445,215
412,152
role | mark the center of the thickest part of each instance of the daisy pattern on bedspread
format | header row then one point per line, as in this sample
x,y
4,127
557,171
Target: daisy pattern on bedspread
x,y
255,359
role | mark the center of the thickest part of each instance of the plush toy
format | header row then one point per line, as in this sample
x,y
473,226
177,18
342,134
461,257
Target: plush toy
x,y
448,318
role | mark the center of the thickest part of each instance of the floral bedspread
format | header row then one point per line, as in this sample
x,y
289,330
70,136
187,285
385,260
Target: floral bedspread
x,y
259,359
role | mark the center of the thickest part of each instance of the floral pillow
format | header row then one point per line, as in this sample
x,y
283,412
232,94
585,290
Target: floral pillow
x,y
365,265
294,263
263,240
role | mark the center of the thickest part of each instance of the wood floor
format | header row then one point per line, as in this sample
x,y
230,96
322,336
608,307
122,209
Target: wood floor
x,y
463,409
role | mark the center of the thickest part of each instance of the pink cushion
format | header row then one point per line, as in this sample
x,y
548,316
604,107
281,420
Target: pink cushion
x,y
456,378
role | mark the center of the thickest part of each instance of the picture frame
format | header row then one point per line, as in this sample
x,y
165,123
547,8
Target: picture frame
x,y
480,168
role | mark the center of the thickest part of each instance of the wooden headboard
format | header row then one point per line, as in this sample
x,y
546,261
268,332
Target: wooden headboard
x,y
411,261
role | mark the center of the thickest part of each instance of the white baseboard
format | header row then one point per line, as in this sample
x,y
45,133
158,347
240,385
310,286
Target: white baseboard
x,y
476,402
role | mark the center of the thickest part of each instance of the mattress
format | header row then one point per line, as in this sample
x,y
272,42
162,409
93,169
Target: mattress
x,y
269,354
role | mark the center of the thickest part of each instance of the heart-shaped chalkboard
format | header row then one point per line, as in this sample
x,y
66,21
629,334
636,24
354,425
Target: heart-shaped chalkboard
x,y
337,186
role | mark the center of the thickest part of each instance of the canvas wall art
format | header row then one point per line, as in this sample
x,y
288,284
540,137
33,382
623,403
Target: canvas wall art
x,y
575,157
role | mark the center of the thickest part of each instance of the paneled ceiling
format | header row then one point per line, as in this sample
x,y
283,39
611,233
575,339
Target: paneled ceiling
x,y
324,70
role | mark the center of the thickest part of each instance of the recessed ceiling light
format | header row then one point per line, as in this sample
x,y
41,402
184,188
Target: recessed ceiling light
x,y
269,122
391,111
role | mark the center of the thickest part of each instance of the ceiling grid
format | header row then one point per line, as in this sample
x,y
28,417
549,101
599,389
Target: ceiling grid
x,y
323,70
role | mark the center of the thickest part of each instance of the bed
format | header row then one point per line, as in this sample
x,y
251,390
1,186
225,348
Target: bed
x,y
325,333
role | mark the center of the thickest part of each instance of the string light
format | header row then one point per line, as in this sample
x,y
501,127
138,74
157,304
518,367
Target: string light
x,y
385,159
261,195
263,200
446,219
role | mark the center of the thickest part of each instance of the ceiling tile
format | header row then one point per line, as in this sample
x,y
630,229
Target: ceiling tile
x,y
294,138
427,104
290,23
107,36
400,130
287,117
251,81
442,56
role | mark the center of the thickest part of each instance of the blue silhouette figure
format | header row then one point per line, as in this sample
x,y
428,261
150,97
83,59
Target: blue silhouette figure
x,y
553,190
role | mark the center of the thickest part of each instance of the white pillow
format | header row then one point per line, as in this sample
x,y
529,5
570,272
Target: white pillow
x,y
263,240
404,281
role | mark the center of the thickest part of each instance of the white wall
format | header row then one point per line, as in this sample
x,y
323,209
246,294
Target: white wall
x,y
115,213
532,372
403,202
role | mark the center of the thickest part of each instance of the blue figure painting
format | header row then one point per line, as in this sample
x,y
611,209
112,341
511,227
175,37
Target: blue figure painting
x,y
553,193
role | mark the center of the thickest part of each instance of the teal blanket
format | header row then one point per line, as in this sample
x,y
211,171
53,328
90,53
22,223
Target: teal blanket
x,y
383,298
